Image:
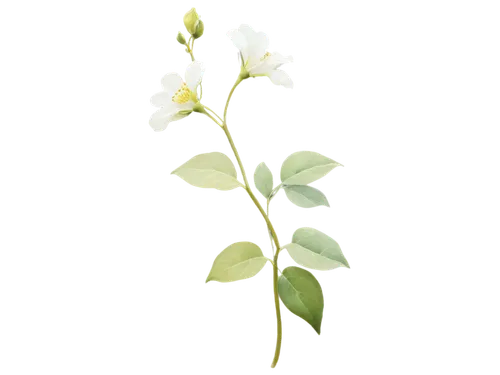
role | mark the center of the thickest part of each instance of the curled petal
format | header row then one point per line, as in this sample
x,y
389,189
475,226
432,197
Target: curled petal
x,y
279,77
194,74
171,83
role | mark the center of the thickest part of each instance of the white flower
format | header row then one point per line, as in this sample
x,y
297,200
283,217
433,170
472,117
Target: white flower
x,y
255,58
178,99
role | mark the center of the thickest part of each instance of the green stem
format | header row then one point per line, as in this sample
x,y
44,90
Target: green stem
x,y
211,114
222,123
191,50
278,314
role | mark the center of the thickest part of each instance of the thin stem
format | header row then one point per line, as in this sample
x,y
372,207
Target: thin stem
x,y
192,54
190,49
228,99
212,115
272,232
278,314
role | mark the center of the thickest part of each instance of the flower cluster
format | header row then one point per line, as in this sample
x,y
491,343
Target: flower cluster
x,y
180,98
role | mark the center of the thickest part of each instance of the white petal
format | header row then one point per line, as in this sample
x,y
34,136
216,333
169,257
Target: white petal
x,y
257,44
194,73
279,77
171,83
276,60
178,116
270,63
162,99
237,40
160,119
186,106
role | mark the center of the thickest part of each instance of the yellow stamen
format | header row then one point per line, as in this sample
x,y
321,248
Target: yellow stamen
x,y
265,56
182,95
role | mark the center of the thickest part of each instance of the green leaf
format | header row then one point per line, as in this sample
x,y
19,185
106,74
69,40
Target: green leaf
x,y
263,180
304,167
239,261
212,170
313,249
305,196
302,295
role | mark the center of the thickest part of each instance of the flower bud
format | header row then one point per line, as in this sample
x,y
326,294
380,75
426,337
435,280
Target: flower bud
x,y
191,20
199,30
181,39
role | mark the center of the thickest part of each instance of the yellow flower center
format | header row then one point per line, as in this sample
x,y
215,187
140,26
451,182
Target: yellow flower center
x,y
182,95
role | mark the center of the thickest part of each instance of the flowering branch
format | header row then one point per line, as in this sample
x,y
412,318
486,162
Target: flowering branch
x,y
297,288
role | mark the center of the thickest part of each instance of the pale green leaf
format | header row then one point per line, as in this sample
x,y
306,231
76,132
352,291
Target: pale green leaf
x,y
263,180
239,261
302,295
305,196
304,167
314,249
212,170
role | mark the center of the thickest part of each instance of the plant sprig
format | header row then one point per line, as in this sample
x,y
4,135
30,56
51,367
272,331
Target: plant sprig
x,y
297,288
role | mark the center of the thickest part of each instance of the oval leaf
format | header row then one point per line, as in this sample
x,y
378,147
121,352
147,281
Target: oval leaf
x,y
302,295
306,196
304,167
263,180
239,261
313,249
212,170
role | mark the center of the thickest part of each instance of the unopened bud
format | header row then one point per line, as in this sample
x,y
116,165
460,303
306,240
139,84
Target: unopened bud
x,y
199,30
181,39
191,20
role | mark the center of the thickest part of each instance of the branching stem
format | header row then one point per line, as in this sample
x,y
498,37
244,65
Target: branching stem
x,y
264,214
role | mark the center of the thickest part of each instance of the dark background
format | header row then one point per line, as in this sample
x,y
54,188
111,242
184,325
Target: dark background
x,y
227,331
